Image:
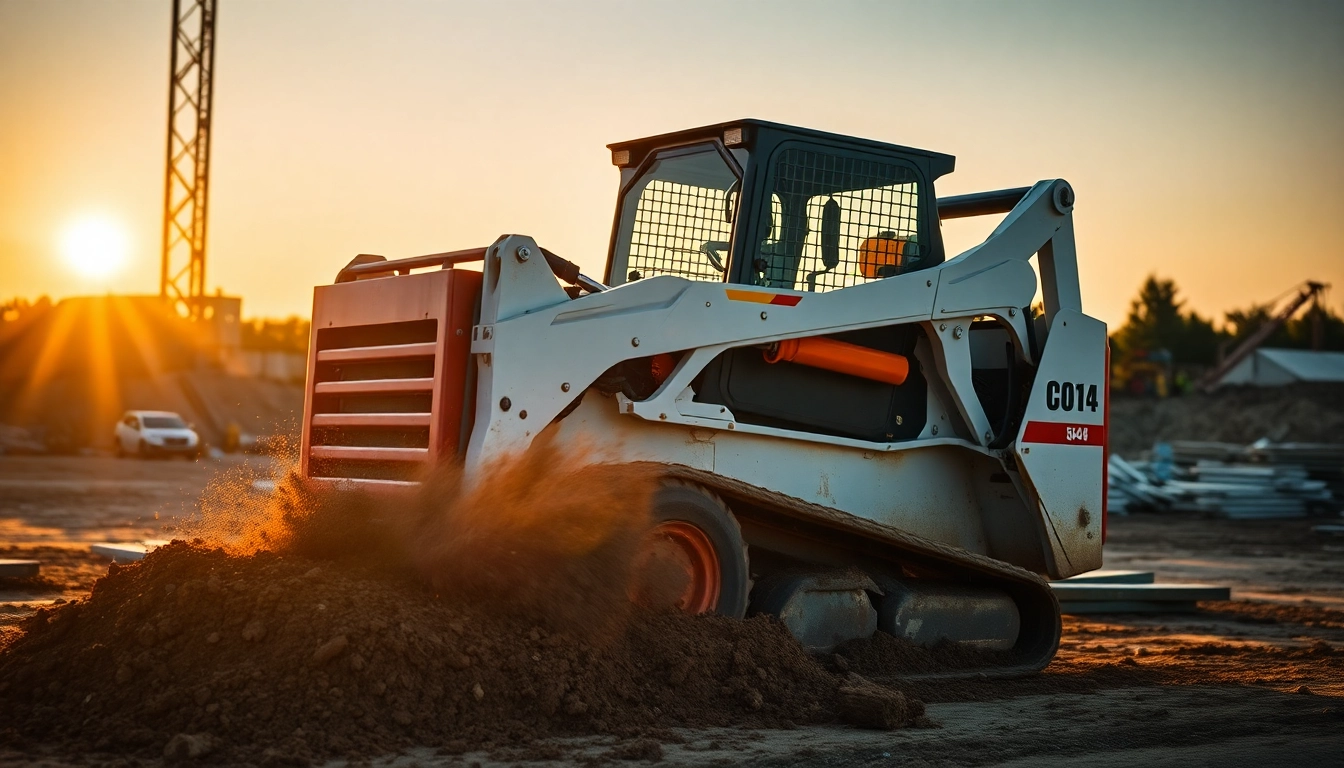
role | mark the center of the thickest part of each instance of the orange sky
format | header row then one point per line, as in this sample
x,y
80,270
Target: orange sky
x,y
1205,140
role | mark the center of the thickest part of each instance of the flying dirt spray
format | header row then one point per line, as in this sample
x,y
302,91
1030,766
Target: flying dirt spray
x,y
553,532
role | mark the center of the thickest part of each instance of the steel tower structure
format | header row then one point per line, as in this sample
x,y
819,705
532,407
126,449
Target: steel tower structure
x,y
186,186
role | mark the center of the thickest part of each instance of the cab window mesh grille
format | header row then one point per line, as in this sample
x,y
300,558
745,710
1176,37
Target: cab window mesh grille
x,y
675,224
838,221
676,217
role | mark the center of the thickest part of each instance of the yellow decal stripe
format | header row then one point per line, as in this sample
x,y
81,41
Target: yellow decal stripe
x,y
755,297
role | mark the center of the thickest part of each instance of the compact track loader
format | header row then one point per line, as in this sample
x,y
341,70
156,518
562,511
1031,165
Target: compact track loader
x,y
856,433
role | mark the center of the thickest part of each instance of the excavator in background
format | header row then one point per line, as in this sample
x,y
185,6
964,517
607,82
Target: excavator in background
x,y
1308,291
855,433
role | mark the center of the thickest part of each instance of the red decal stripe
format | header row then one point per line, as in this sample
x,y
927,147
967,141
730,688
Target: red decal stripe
x,y
1060,433
786,301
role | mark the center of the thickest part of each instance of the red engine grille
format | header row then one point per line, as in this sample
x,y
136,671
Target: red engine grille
x,y
387,392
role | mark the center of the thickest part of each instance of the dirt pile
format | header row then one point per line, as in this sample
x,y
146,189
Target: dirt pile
x,y
472,616
1304,413
884,656
269,657
551,533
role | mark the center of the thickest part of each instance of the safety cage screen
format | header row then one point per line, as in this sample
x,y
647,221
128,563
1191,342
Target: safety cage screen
x,y
837,221
676,219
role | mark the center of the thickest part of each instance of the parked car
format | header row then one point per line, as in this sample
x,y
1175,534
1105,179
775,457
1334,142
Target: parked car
x,y
156,433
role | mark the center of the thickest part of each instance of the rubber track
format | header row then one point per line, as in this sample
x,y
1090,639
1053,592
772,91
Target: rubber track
x,y
1039,608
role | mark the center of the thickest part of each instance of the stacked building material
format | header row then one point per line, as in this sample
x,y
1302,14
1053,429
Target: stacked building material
x,y
1216,488
1322,461
1129,488
1258,492
1191,452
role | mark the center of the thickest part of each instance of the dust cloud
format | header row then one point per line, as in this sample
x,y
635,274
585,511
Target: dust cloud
x,y
552,532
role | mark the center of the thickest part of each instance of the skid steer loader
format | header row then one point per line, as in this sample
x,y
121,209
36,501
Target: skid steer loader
x,y
856,433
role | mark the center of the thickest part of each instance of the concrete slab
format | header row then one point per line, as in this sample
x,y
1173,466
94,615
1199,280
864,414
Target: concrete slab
x,y
126,552
1158,592
19,569
1111,577
1086,608
1135,598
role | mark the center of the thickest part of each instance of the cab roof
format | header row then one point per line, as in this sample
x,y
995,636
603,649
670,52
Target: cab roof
x,y
749,132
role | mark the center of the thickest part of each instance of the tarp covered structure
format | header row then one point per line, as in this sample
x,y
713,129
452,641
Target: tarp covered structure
x,y
1278,367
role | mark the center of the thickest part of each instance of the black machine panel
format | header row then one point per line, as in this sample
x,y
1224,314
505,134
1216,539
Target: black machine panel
x,y
800,397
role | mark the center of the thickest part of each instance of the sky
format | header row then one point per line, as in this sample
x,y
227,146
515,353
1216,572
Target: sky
x,y
1205,140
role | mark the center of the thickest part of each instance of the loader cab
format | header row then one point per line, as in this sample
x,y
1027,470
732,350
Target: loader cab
x,y
758,203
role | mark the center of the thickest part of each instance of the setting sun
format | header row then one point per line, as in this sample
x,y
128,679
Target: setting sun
x,y
94,246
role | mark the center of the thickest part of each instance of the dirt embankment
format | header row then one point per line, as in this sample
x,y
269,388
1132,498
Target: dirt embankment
x,y
1304,413
267,656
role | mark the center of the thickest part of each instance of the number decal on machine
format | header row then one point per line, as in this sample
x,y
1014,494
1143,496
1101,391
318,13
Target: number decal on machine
x,y
1067,396
1060,433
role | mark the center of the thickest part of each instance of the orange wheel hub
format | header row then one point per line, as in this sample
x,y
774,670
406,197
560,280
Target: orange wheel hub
x,y
677,565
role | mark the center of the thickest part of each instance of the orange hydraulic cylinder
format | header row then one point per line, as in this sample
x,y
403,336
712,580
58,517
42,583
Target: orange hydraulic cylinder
x,y
841,357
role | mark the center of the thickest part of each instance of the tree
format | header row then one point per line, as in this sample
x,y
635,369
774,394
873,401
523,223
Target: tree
x,y
1157,321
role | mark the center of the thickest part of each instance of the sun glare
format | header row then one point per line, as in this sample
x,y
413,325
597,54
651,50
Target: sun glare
x,y
94,246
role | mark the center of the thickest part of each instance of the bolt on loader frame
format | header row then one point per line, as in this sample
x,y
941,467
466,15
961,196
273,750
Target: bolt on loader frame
x,y
857,432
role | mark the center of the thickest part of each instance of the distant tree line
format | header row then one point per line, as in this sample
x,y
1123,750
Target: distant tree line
x,y
1158,320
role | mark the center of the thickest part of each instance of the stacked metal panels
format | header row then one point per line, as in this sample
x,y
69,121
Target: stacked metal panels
x,y
1260,481
1322,461
1190,452
1130,488
1240,492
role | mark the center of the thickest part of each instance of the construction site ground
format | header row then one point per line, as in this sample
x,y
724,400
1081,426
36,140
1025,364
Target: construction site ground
x,y
1256,680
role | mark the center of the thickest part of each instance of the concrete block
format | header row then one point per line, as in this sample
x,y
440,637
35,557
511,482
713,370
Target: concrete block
x,y
19,569
1134,598
1111,577
126,552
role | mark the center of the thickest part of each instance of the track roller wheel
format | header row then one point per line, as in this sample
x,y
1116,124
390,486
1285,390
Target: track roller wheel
x,y
694,556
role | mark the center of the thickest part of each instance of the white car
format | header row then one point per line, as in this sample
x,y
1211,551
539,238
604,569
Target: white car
x,y
156,433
